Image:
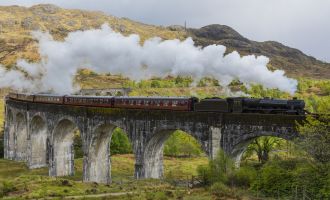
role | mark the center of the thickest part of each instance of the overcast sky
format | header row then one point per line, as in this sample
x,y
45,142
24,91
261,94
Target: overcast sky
x,y
301,24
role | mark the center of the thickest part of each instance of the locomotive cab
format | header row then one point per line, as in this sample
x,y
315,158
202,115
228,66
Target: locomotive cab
x,y
235,104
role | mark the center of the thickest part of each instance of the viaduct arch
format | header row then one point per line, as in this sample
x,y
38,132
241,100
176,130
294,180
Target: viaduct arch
x,y
47,131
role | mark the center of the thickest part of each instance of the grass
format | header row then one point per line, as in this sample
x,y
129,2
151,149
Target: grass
x,y
34,183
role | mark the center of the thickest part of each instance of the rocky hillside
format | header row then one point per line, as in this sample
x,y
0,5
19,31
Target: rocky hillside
x,y
17,22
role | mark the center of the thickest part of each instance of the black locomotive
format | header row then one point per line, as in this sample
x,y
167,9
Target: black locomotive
x,y
264,105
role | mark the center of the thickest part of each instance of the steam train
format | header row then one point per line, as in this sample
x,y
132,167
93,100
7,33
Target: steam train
x,y
264,105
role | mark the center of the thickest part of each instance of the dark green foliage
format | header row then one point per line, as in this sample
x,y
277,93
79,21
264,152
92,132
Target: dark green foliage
x,y
78,152
302,87
262,147
169,176
160,83
174,151
7,187
182,143
78,145
273,176
12,66
155,84
120,143
207,82
235,81
220,189
91,73
245,176
217,170
258,91
325,86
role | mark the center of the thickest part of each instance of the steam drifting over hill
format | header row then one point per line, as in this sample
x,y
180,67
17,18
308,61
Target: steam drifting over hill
x,y
104,50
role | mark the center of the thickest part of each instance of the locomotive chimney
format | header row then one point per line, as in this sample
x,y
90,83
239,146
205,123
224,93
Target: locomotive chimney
x,y
266,97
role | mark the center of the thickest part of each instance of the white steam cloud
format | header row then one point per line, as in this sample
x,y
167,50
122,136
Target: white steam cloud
x,y
105,50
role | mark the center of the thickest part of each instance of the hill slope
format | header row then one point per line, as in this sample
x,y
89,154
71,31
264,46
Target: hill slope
x,y
16,22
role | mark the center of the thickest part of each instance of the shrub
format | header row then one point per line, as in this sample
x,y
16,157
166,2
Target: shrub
x,y
220,189
155,84
245,176
8,187
91,73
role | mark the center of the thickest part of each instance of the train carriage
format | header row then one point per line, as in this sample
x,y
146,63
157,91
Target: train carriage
x,y
13,95
48,98
25,97
93,101
156,103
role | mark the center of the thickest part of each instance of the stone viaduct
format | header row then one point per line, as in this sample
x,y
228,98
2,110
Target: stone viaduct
x,y
106,92
42,135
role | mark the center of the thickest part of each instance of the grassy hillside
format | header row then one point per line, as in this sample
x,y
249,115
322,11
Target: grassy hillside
x,y
17,22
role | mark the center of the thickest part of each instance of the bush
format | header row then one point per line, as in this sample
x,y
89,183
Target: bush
x,y
155,84
169,176
8,187
91,73
220,189
245,176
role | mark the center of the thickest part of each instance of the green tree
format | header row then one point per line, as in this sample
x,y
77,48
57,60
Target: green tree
x,y
302,87
174,151
166,150
188,148
262,146
120,143
155,84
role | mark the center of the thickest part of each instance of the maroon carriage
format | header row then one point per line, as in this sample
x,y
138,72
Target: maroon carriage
x,y
93,101
156,103
48,98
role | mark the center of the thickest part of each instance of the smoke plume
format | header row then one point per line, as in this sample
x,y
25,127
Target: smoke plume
x,y
104,50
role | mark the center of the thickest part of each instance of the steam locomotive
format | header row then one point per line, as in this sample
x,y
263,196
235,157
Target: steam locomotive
x,y
264,105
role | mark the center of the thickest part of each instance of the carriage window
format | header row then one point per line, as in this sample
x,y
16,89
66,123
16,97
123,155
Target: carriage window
x,y
75,100
130,102
118,101
101,100
157,103
174,103
185,103
96,101
146,102
123,101
165,103
71,99
84,100
151,102
181,103
79,100
138,102
106,101
90,100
